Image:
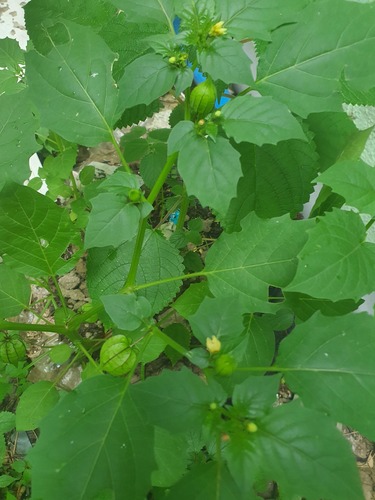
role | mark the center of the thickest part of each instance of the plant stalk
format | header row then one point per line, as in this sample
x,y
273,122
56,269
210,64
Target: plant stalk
x,y
124,163
130,280
171,160
187,113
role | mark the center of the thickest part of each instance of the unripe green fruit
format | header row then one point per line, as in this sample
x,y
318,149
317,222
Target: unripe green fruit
x,y
116,355
225,365
12,350
252,427
202,98
134,195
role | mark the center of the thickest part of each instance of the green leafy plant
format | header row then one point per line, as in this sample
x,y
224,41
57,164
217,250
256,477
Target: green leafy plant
x,y
204,422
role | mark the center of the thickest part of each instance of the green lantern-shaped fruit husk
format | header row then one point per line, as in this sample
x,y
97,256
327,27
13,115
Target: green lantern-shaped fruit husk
x,y
116,355
202,99
12,350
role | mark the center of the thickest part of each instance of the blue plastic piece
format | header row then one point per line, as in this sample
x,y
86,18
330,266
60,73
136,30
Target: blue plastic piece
x,y
174,217
176,24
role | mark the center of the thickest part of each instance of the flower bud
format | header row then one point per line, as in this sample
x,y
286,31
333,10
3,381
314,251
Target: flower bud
x,y
213,344
217,29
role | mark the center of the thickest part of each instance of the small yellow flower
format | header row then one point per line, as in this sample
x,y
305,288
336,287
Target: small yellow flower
x,y
213,344
217,29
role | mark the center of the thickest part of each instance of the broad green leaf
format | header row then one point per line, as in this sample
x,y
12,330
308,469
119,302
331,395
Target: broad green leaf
x,y
60,166
341,143
14,292
202,483
180,334
134,149
176,401
263,253
256,395
355,181
154,346
217,163
11,59
152,164
336,262
220,317
277,180
332,134
127,40
60,353
34,404
34,232
305,74
256,18
6,480
188,303
5,389
293,446
73,88
225,60
171,458
7,421
144,80
260,120
138,113
87,445
304,306
127,311
148,11
354,96
107,270
183,80
112,221
17,137
256,345
329,362
41,15
178,135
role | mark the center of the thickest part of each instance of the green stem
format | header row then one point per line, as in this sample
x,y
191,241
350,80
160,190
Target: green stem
x,y
71,334
130,280
64,371
25,327
370,223
219,465
61,296
78,319
283,369
187,114
183,210
143,224
244,91
89,357
169,280
172,343
74,186
124,163
171,160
